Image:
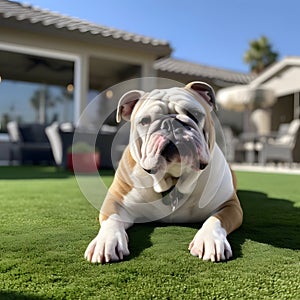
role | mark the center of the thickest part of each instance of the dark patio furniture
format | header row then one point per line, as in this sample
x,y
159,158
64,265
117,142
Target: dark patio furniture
x,y
62,137
102,141
29,144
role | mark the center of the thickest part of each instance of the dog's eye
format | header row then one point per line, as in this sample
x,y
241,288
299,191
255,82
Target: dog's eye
x,y
145,121
193,116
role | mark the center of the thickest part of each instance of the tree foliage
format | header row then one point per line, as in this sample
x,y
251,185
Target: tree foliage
x,y
260,54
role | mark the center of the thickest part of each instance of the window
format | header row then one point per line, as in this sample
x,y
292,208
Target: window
x,y
35,89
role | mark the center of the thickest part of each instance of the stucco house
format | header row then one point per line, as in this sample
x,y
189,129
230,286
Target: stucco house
x,y
41,49
283,78
52,66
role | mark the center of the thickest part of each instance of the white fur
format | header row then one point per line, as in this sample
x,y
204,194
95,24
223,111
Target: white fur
x,y
210,242
203,191
111,243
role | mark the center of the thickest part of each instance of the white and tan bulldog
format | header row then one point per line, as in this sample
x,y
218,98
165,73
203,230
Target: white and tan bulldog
x,y
172,171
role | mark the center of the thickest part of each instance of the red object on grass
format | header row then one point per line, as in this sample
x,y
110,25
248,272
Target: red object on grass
x,y
84,162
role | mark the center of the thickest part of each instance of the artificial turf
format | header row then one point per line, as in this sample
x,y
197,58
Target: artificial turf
x,y
46,224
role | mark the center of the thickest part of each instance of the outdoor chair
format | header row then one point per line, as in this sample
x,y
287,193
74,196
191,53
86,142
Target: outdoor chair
x,y
54,135
251,142
281,148
29,144
230,144
110,146
251,148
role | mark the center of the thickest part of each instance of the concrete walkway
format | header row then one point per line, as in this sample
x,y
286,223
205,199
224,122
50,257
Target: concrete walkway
x,y
269,168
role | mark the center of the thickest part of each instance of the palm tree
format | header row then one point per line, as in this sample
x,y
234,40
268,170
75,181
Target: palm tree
x,y
260,55
41,99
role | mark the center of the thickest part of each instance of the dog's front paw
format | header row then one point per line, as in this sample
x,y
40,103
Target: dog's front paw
x,y
210,242
111,243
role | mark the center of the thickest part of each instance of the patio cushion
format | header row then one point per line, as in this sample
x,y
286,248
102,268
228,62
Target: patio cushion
x,y
32,146
33,133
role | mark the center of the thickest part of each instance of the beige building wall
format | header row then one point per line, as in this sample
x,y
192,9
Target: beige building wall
x,y
93,62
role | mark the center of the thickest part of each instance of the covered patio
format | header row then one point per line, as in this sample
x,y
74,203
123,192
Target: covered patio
x,y
46,48
53,66
270,108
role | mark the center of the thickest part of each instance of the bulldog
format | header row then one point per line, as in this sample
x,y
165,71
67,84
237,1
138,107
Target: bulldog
x,y
172,171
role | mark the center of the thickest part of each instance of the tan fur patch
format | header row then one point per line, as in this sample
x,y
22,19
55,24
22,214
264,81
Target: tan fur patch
x,y
230,213
120,186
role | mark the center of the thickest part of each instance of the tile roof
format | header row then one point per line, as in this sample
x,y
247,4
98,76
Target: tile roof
x,y
12,10
21,12
173,65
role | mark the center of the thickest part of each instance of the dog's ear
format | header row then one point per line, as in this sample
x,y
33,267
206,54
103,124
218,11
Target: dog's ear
x,y
127,103
204,90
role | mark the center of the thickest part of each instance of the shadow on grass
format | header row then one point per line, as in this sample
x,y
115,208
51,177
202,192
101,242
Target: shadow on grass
x,y
139,238
266,220
39,172
10,295
32,172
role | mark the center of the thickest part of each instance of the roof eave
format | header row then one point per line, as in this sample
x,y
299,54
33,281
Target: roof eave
x,y
159,50
220,76
275,69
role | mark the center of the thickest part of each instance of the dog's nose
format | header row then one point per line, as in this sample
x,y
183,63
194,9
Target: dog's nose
x,y
166,125
171,124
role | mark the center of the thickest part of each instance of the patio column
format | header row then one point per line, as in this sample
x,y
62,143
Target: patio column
x,y
81,85
297,105
146,72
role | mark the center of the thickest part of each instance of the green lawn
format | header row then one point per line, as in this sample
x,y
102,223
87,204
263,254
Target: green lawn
x,y
46,224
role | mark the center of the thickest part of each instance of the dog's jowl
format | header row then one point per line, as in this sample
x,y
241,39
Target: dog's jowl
x,y
171,171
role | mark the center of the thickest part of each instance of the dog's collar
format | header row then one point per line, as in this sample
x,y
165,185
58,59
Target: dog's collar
x,y
165,193
171,197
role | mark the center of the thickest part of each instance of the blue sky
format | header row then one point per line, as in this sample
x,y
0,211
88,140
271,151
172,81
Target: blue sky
x,y
210,32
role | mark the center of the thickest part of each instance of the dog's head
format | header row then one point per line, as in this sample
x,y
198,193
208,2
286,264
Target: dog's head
x,y
172,131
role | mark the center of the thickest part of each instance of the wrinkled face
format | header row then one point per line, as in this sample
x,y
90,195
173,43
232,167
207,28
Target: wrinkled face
x,y
169,128
171,134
